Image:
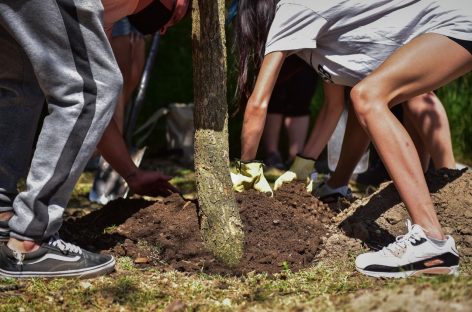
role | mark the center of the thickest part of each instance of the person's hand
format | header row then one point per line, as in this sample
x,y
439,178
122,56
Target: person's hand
x,y
150,183
300,170
250,175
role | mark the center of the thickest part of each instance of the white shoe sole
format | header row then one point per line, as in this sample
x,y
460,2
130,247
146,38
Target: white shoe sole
x,y
454,270
102,269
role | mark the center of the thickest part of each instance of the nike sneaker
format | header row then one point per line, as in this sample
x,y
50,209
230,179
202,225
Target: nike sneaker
x,y
55,258
411,254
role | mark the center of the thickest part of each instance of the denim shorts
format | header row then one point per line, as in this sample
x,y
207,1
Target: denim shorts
x,y
123,28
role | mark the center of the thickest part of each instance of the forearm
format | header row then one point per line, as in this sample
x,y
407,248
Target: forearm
x,y
253,126
326,121
114,150
256,109
324,127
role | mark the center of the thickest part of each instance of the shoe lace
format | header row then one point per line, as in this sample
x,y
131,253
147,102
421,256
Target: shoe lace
x,y
402,241
63,246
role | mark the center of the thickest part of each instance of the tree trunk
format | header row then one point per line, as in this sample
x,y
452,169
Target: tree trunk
x,y
220,223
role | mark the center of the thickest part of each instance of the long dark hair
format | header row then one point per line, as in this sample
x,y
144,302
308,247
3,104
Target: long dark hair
x,y
253,23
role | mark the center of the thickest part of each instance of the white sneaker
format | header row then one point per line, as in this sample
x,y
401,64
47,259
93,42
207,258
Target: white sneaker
x,y
328,195
411,254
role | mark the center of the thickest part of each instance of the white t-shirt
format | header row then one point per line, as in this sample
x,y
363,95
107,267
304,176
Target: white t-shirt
x,y
345,40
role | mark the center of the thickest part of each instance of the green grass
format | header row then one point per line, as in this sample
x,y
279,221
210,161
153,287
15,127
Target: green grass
x,y
325,287
457,99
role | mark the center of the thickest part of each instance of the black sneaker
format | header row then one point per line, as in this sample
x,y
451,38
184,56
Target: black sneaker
x,y
4,231
54,259
274,160
329,195
375,175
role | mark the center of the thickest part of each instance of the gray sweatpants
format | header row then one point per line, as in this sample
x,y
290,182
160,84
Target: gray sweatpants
x,y
54,50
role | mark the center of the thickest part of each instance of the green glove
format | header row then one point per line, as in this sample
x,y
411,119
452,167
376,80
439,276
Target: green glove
x,y
300,170
250,175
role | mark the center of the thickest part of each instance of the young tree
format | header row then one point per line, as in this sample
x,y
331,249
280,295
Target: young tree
x,y
220,223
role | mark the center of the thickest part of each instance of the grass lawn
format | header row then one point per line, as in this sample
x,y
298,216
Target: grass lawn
x,y
332,285
325,287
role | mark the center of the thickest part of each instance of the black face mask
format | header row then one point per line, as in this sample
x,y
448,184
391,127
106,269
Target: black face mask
x,y
151,19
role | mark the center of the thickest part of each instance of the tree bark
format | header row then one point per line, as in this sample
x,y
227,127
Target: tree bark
x,y
220,223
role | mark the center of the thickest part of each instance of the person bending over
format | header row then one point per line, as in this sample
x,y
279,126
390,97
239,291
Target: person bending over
x,y
81,87
290,106
426,121
383,50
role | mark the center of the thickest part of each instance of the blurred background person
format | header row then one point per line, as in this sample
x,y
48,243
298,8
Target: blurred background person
x,y
289,106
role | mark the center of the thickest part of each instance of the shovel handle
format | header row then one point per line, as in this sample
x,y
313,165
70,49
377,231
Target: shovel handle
x,y
144,83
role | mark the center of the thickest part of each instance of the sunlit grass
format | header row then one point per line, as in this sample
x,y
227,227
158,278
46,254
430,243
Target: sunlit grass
x,y
324,287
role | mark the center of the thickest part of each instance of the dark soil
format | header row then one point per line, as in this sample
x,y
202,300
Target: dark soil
x,y
283,232
290,230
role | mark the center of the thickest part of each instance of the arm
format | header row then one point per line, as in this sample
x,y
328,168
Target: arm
x,y
114,150
326,121
256,109
303,165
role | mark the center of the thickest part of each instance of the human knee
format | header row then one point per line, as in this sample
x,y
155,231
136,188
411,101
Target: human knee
x,y
424,106
367,102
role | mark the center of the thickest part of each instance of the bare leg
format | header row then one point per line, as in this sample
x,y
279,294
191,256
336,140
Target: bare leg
x,y
271,134
435,137
297,131
138,55
421,148
428,117
129,53
410,71
355,144
326,121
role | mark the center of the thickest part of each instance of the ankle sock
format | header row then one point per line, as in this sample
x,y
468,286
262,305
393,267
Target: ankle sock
x,y
438,242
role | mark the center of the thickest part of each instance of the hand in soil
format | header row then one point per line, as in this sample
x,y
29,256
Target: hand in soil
x,y
250,176
150,183
300,170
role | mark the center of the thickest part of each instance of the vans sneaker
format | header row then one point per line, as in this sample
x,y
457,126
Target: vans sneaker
x,y
55,258
4,231
411,254
329,195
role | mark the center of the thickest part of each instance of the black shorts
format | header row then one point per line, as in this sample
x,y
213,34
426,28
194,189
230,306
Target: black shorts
x,y
151,19
464,43
294,89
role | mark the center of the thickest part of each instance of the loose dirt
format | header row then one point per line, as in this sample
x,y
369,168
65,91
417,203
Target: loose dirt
x,y
283,232
288,231
376,220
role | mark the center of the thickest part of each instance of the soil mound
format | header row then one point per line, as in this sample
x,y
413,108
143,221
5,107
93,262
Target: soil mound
x,y
283,232
289,230
376,220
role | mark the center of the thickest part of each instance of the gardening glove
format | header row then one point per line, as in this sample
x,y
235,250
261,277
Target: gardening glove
x,y
250,175
301,170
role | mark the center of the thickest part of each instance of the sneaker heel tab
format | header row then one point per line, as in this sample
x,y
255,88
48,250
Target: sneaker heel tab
x,y
452,244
